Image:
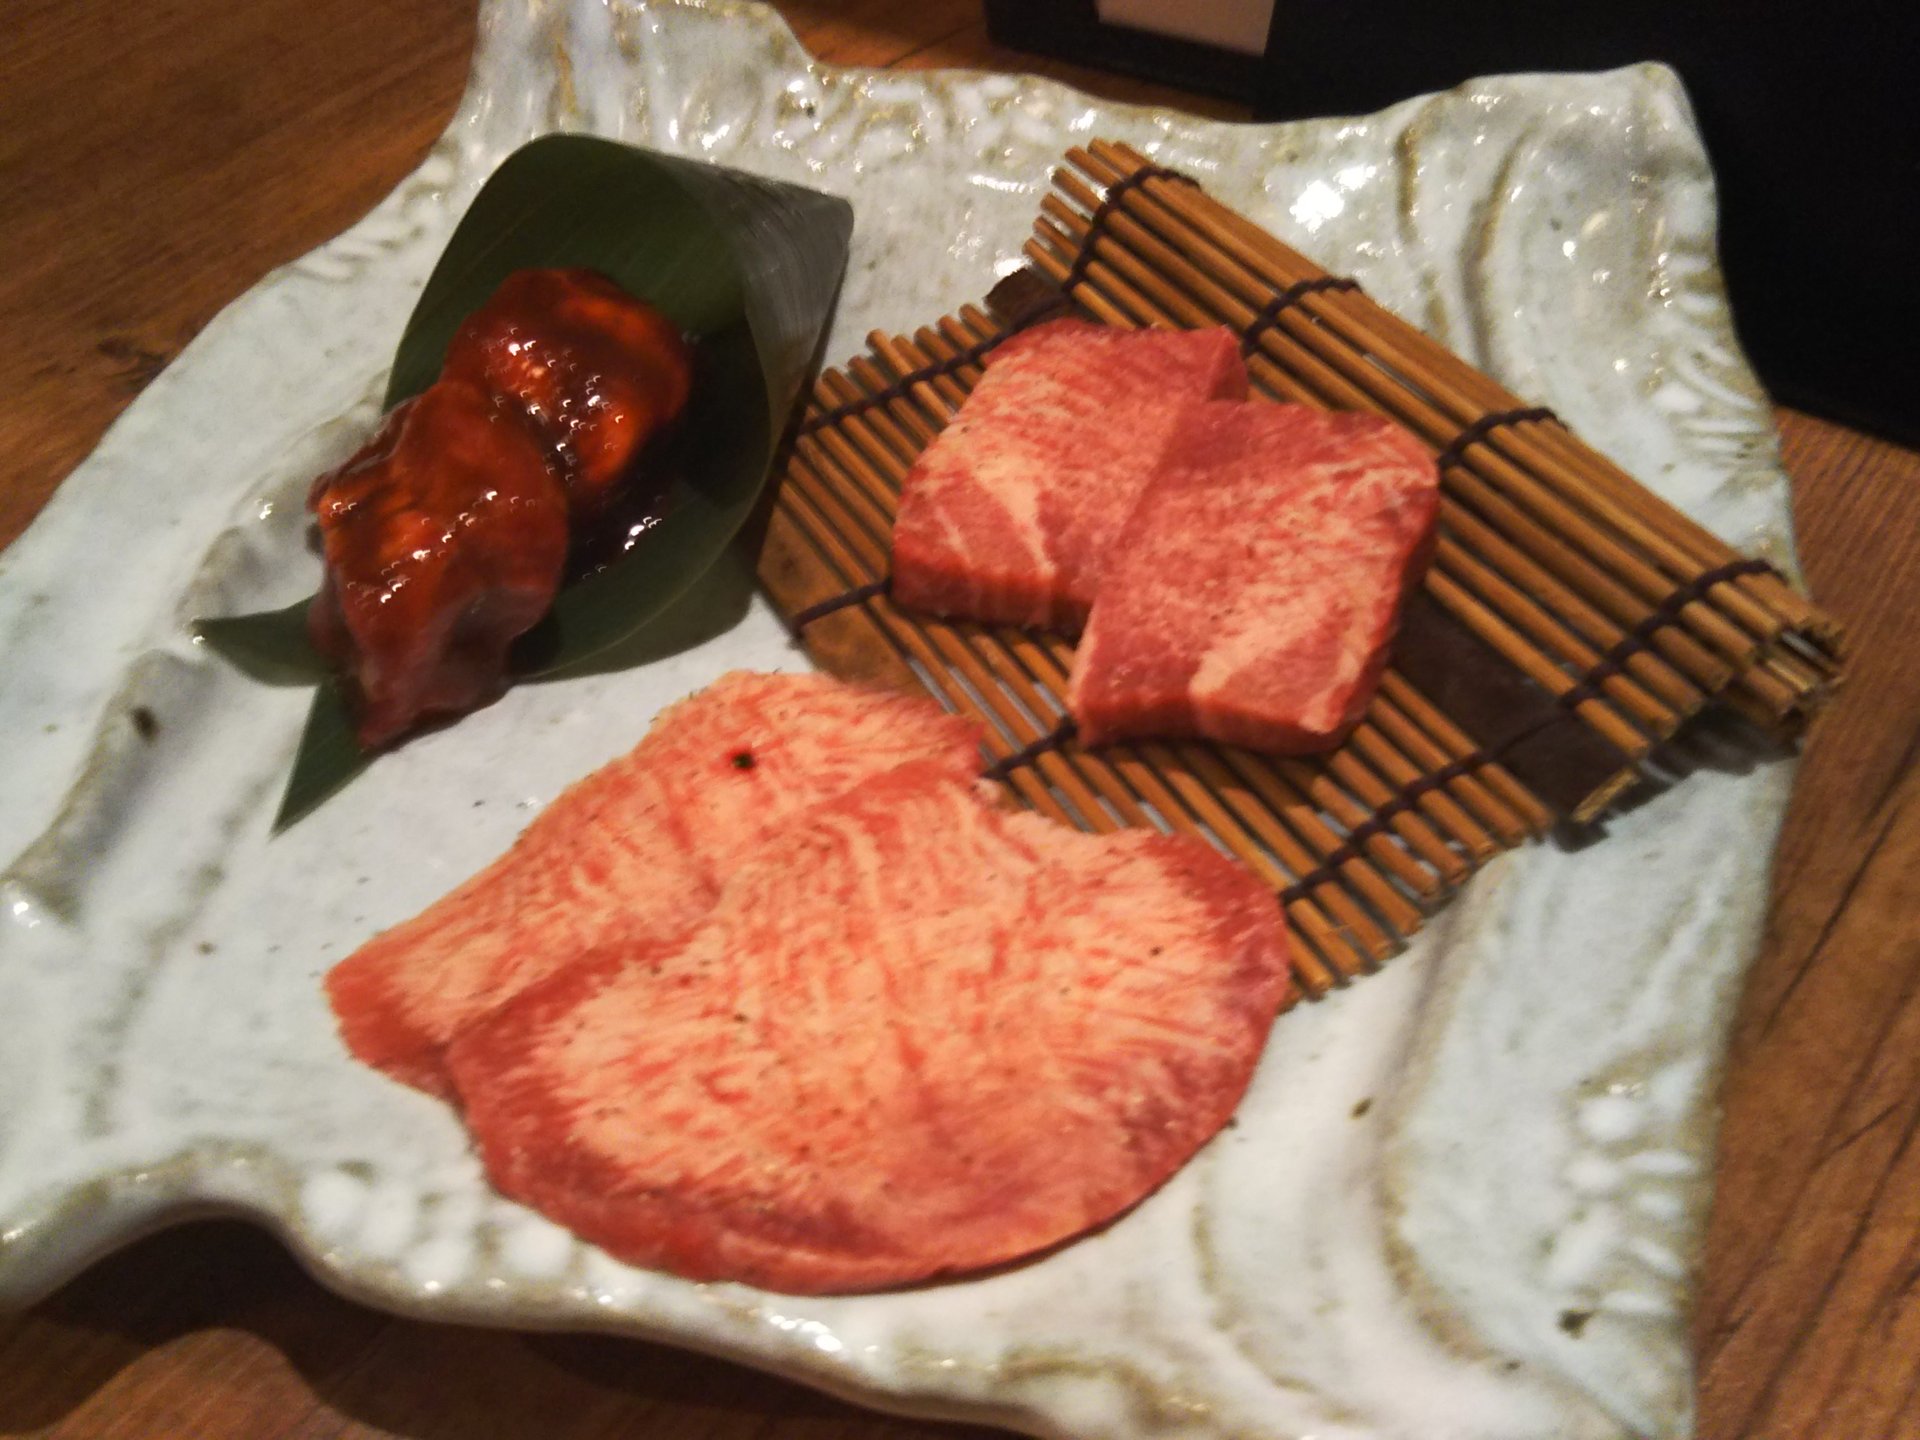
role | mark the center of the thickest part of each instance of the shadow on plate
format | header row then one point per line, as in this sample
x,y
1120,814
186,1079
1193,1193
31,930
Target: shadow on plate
x,y
117,1344
1716,740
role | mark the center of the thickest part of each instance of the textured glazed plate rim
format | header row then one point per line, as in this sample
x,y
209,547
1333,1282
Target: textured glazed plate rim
x,y
536,70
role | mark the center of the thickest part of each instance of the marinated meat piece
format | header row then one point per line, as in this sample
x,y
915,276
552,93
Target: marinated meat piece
x,y
917,1035
445,538
1256,587
634,852
1008,514
599,372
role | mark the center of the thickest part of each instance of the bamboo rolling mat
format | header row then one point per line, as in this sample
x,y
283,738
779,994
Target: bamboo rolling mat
x,y
1570,623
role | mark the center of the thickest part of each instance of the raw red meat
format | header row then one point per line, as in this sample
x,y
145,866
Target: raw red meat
x,y
634,852
1255,588
445,537
917,1035
1007,515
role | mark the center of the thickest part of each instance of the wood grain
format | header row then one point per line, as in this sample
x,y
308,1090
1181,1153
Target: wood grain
x,y
159,159
156,160
1810,1308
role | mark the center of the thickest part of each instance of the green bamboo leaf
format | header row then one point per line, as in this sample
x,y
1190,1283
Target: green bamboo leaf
x,y
329,755
271,646
748,268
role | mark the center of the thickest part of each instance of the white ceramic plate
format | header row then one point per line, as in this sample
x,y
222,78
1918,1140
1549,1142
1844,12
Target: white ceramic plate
x,y
1463,1198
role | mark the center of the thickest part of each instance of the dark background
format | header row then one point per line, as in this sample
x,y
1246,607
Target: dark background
x,y
1811,116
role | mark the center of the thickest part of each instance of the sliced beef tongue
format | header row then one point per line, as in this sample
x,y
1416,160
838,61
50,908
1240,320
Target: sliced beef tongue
x,y
915,1035
637,850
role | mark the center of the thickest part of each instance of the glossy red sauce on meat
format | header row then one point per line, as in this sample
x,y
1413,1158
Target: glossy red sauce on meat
x,y
445,539
599,373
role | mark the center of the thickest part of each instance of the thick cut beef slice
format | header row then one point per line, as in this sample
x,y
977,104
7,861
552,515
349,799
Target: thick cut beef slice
x,y
634,852
1255,588
917,1035
1007,515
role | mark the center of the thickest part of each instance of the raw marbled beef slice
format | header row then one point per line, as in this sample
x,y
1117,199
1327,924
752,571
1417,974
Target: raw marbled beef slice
x,y
916,1036
1008,513
636,850
1255,589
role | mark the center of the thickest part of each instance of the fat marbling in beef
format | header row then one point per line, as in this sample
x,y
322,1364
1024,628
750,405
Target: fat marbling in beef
x,y
1255,588
1007,515
634,852
916,1035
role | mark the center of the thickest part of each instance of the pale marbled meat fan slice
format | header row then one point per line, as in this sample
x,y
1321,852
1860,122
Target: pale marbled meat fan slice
x,y
1008,513
635,851
917,1035
1255,589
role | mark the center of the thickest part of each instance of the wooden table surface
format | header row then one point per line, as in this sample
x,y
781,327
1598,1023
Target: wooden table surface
x,y
156,159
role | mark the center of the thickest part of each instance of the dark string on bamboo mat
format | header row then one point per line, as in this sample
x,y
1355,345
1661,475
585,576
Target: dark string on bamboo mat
x,y
1028,754
857,595
1666,613
1269,314
1456,449
1588,687
902,388
1103,214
